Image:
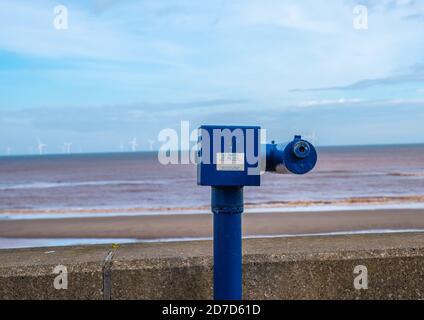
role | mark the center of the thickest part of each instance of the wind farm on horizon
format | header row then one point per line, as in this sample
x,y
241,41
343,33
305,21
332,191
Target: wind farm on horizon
x,y
41,148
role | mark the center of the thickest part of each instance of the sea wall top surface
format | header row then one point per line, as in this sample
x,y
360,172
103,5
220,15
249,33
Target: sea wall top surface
x,y
385,266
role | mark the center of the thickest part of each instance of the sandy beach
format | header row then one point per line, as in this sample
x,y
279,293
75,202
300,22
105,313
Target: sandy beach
x,y
200,225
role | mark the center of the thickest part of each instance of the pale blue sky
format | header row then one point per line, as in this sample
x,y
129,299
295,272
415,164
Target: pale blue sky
x,y
131,68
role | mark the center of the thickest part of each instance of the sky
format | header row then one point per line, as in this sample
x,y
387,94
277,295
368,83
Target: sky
x,y
129,68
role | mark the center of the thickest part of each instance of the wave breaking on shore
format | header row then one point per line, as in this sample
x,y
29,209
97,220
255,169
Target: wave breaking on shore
x,y
301,204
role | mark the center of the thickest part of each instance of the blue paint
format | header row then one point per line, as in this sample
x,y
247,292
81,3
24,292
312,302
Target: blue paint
x,y
240,147
297,157
227,207
207,170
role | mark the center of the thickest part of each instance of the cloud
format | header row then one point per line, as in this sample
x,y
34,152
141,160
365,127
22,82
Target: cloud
x,y
119,117
105,128
31,32
414,17
104,3
415,76
385,5
287,14
328,102
200,60
377,103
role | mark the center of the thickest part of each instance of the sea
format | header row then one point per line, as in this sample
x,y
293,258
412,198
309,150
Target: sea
x,y
114,184
352,176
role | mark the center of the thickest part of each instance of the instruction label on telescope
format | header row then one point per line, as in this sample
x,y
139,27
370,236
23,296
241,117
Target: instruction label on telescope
x,y
230,161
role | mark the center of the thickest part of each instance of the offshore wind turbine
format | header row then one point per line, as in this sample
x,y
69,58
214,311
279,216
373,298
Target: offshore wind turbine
x,y
8,151
134,144
151,143
67,147
40,146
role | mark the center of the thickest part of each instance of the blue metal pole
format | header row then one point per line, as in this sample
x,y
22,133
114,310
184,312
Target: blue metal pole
x,y
227,208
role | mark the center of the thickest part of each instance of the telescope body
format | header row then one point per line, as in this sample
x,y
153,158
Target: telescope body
x,y
296,157
230,158
235,156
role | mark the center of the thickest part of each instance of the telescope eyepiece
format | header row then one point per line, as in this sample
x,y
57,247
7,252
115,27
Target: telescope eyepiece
x,y
301,149
297,157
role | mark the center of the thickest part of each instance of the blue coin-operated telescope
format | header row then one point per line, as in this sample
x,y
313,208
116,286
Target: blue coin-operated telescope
x,y
231,157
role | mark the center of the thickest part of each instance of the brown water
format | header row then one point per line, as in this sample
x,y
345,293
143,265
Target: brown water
x,y
136,181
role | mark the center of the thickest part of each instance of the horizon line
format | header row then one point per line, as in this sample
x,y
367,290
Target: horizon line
x,y
184,150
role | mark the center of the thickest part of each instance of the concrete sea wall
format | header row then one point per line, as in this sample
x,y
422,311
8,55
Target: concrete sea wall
x,y
385,266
